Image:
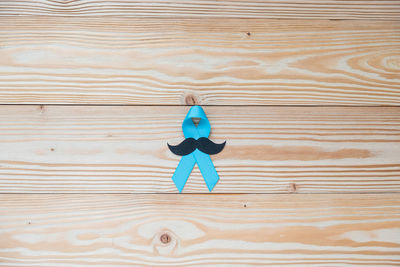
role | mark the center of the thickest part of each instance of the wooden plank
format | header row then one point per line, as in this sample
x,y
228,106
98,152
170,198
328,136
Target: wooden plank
x,y
309,9
148,61
200,230
120,149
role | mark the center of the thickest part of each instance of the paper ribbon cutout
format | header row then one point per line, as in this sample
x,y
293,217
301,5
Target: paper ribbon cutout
x,y
196,140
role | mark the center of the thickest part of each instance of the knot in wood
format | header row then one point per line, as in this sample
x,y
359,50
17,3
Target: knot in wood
x,y
293,188
165,238
190,100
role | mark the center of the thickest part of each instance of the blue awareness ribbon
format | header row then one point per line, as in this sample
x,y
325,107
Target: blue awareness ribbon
x,y
203,160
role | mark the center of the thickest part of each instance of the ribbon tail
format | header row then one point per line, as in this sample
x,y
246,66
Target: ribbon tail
x,y
183,171
207,169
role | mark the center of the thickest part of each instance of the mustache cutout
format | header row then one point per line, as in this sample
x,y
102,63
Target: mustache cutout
x,y
203,144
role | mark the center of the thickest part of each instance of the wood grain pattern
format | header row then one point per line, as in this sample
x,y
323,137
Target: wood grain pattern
x,y
239,59
310,9
203,230
50,149
210,62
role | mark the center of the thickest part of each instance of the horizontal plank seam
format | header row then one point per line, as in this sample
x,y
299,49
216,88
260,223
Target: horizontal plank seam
x,y
204,105
195,17
210,194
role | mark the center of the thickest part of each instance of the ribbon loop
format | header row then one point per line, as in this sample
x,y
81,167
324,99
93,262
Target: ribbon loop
x,y
189,129
203,160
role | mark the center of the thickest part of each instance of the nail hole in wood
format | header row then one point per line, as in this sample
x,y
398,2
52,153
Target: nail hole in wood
x,y
165,238
248,33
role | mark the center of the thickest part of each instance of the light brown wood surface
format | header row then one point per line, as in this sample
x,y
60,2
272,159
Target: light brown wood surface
x,y
149,61
269,149
306,94
203,230
288,9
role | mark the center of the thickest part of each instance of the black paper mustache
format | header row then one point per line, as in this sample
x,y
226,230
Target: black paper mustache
x,y
203,144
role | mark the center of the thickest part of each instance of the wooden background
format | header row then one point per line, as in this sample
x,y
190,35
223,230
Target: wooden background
x,y
306,93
